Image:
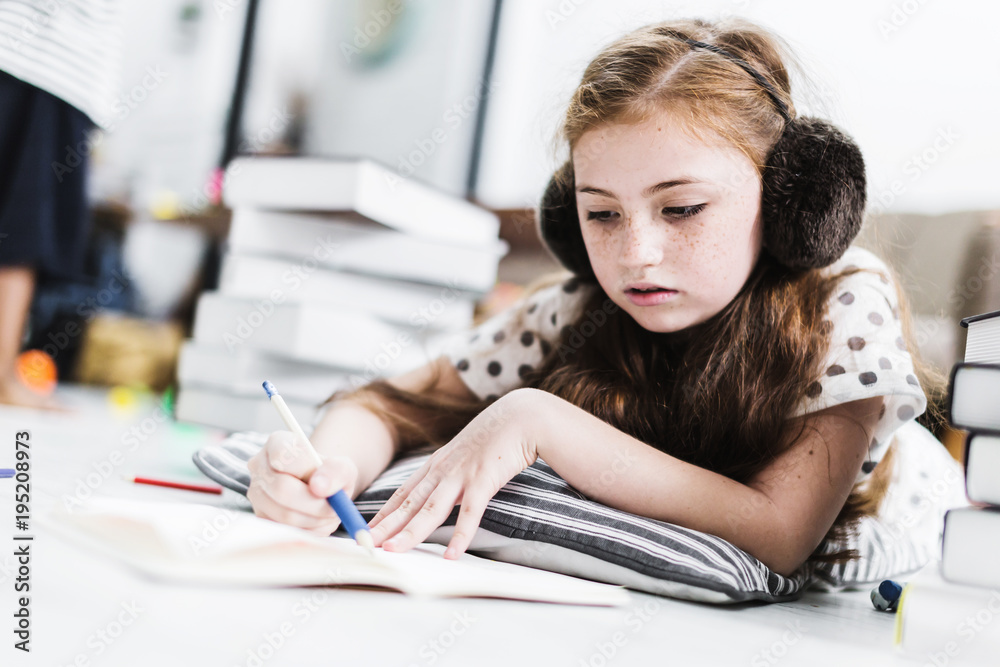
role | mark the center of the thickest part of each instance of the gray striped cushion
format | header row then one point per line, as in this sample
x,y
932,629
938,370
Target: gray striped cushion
x,y
538,505
537,519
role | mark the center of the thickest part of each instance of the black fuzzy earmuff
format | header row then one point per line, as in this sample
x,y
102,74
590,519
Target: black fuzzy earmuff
x,y
813,197
812,200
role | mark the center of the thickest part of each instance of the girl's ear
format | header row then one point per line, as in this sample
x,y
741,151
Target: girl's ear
x,y
559,223
813,199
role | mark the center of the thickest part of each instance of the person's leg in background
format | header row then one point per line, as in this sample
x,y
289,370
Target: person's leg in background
x,y
44,219
17,285
17,280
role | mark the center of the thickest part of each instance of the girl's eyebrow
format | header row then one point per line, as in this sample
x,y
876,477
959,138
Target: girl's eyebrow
x,y
648,192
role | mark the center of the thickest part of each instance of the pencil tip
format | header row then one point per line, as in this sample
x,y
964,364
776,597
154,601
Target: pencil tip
x,y
364,538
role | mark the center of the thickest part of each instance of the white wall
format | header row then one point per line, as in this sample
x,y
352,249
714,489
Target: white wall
x,y
904,77
399,81
415,112
894,88
286,61
177,83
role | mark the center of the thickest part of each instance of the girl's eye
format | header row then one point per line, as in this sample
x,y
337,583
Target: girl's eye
x,y
600,216
677,212
682,212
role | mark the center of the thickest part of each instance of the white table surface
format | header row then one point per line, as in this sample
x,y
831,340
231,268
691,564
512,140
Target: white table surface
x,y
79,599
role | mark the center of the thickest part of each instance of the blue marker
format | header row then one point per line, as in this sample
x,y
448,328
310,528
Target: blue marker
x,y
341,503
886,595
6,472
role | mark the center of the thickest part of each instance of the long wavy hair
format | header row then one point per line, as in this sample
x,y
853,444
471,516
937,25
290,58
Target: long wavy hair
x,y
719,394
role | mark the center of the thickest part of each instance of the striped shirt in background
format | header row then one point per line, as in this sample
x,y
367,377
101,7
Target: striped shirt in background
x,y
69,48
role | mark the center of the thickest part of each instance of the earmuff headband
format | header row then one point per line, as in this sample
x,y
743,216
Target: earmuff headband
x,y
778,102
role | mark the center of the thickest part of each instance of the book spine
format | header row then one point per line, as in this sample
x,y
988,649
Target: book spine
x,y
953,398
979,318
342,244
982,468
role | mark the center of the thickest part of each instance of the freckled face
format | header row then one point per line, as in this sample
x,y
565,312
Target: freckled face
x,y
660,208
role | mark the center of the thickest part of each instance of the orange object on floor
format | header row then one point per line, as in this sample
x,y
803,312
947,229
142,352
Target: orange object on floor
x,y
37,370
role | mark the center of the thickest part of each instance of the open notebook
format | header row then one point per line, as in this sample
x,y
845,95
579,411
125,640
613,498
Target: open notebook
x,y
214,545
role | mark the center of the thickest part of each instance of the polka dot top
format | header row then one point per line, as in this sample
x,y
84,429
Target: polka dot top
x,y
867,355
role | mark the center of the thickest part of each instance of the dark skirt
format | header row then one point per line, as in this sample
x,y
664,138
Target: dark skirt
x,y
44,155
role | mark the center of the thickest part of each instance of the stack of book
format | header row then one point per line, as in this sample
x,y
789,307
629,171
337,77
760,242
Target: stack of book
x,y
951,609
972,534
336,272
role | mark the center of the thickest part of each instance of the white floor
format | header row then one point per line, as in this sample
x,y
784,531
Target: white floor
x,y
89,610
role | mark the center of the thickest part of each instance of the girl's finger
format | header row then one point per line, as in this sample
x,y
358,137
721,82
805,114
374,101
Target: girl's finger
x,y
286,454
285,492
397,498
266,507
431,514
407,507
469,516
389,507
282,490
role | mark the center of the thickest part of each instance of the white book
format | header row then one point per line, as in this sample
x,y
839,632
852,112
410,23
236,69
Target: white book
x,y
213,407
314,333
970,546
161,539
242,373
360,185
983,340
942,623
982,468
400,301
974,397
353,244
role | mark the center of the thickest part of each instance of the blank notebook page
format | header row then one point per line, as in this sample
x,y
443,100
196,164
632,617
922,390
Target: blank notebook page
x,y
214,545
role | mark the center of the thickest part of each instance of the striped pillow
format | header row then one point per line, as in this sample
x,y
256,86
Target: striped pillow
x,y
549,525
538,520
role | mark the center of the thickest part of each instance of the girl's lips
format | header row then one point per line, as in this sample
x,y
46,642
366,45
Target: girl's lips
x,y
650,298
643,286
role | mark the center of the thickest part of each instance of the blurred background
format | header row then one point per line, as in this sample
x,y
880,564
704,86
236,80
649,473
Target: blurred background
x,y
464,96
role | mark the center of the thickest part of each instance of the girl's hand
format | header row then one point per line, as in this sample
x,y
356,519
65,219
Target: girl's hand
x,y
277,491
496,445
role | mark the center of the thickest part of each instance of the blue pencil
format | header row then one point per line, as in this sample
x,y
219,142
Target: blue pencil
x,y
341,503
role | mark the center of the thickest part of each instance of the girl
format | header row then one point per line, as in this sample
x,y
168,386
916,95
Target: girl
x,y
720,358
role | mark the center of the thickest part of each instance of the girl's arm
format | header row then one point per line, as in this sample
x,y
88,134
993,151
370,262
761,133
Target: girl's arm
x,y
351,430
780,516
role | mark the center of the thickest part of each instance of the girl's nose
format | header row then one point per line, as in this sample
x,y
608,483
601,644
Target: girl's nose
x,y
641,242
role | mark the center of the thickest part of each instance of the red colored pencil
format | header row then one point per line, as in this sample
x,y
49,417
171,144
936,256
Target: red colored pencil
x,y
204,488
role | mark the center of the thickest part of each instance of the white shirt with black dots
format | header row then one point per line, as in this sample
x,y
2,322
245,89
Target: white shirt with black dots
x,y
867,356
